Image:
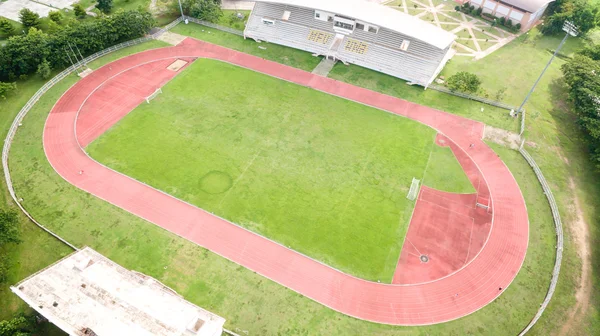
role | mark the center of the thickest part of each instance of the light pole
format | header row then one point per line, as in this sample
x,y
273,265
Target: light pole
x,y
570,29
181,9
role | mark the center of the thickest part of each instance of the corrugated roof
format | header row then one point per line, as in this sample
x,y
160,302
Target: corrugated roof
x,y
531,6
379,15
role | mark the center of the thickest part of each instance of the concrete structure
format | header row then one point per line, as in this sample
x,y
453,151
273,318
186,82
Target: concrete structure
x,y
525,12
10,8
355,31
88,294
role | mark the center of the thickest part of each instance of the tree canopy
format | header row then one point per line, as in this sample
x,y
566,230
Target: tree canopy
x,y
208,10
29,18
464,82
23,54
581,13
582,75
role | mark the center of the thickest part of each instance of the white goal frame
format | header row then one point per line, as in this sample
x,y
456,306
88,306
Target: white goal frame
x,y
153,95
413,192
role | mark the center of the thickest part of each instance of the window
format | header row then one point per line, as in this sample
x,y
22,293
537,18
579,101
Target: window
x,y
317,15
268,22
286,15
330,18
360,26
373,29
343,25
323,16
404,45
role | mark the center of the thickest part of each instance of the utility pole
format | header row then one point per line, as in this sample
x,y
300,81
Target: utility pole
x,y
569,29
181,9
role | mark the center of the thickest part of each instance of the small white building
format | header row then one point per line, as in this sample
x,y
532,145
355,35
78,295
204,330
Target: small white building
x,y
88,294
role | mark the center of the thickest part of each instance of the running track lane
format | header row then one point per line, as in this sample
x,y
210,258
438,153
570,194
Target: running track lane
x,y
449,298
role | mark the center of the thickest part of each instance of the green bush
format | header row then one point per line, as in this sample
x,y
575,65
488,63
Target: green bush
x,y
55,16
29,18
6,27
79,11
464,82
44,69
457,8
502,20
479,10
5,88
509,23
518,26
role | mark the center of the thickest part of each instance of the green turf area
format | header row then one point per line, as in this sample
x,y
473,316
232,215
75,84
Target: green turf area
x,y
254,304
393,86
445,173
283,160
288,56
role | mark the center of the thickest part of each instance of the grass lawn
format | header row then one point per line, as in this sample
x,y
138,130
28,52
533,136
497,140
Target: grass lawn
x,y
248,301
289,56
445,173
393,86
230,19
321,174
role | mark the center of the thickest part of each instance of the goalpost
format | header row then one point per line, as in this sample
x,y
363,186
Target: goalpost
x,y
153,95
414,189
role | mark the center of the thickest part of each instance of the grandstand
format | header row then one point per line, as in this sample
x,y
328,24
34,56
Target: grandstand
x,y
357,32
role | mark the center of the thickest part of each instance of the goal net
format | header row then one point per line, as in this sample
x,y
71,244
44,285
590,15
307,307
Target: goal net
x,y
153,95
414,189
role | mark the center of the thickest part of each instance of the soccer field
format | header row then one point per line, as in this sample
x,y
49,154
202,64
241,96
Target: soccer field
x,y
325,176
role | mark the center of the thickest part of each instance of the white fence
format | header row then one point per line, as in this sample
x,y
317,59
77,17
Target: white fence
x,y
31,102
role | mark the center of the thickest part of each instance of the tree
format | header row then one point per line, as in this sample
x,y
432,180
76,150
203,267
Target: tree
x,y
592,52
8,227
208,10
17,326
581,74
29,18
44,69
55,16
581,13
5,88
464,82
79,11
6,27
104,6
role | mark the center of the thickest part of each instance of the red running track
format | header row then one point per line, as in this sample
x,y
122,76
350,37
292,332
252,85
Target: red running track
x,y
459,294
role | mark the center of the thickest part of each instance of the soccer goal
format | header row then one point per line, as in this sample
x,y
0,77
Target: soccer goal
x,y
153,95
414,189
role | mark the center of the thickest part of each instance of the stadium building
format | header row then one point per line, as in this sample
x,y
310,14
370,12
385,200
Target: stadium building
x,y
355,31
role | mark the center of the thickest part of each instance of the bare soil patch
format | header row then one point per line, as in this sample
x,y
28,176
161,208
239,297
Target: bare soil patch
x,y
579,230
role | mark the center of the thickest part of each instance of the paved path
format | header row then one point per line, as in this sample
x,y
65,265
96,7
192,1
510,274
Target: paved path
x,y
459,294
323,68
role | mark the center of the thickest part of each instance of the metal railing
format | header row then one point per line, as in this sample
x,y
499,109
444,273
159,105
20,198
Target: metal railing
x,y
31,102
559,238
472,97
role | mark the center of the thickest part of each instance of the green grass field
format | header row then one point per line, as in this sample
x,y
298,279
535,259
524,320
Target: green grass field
x,y
321,174
250,302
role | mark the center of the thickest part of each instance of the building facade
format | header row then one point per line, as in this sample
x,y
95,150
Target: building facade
x,y
357,32
525,12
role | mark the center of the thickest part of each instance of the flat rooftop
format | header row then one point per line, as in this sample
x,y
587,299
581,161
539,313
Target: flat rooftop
x,y
88,294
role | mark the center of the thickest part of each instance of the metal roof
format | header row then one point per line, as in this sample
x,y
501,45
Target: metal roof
x,y
531,6
379,15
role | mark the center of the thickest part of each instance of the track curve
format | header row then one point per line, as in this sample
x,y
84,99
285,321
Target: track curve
x,y
449,298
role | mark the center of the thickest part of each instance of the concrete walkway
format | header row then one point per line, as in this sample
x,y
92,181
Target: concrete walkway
x,y
237,4
323,68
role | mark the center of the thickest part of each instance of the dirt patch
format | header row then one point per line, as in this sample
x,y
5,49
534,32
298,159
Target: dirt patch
x,y
502,137
579,230
171,38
